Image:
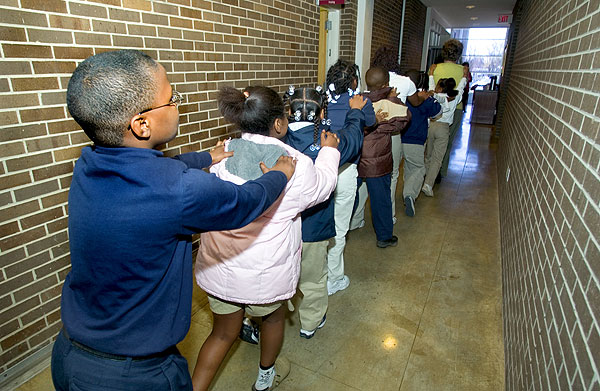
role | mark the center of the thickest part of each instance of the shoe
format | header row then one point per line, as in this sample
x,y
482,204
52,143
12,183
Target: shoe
x,y
280,371
427,190
309,334
394,219
393,242
438,178
360,225
249,331
410,206
336,286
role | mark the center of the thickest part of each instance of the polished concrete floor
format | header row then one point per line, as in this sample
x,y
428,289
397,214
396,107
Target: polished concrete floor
x,y
425,315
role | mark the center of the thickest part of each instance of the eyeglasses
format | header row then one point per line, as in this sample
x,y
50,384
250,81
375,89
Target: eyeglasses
x,y
175,100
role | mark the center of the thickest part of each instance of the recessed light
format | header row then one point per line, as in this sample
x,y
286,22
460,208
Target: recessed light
x,y
470,7
474,18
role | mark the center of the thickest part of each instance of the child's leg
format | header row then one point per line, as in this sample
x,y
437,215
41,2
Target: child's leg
x,y
440,141
397,157
313,284
226,329
358,217
344,195
414,170
271,337
381,206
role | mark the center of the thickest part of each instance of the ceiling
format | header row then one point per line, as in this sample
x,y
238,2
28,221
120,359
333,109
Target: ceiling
x,y
455,14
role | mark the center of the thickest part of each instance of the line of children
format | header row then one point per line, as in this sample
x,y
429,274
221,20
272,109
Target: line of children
x,y
256,268
439,129
126,301
375,164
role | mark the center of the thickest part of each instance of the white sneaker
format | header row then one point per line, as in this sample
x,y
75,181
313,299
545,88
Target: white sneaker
x,y
394,219
339,285
427,190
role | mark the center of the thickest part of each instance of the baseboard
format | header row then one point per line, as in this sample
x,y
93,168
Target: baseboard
x,y
26,369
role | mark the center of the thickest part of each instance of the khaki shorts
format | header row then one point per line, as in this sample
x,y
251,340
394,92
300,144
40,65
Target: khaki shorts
x,y
222,307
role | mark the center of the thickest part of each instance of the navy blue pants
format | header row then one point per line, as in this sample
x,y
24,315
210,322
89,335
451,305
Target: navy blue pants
x,y
75,369
381,205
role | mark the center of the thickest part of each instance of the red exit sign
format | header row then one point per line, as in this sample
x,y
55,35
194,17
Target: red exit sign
x,y
505,18
330,2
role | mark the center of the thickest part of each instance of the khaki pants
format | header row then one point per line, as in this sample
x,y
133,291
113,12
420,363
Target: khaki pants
x,y
313,284
456,124
437,141
414,169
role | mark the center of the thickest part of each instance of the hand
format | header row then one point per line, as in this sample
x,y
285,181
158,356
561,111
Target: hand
x,y
357,102
465,71
218,152
329,139
393,93
285,164
380,115
431,69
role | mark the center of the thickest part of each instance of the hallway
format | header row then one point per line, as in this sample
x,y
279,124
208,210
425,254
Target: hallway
x,y
425,315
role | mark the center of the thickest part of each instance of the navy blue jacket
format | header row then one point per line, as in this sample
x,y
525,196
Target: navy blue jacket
x,y
418,126
318,222
336,112
132,213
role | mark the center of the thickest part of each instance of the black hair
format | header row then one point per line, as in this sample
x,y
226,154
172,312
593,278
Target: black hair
x,y
448,86
452,50
306,104
341,75
386,58
420,79
108,89
376,78
255,113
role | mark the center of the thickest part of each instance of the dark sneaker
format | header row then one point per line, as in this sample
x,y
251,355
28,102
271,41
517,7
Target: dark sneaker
x,y
308,334
393,242
249,331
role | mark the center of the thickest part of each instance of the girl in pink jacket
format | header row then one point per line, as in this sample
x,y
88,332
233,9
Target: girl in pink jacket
x,y
255,269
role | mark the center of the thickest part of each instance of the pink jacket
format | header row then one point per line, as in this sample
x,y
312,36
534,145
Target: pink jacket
x,y
260,263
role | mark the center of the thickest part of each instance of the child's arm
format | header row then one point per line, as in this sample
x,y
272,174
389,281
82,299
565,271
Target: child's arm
x,y
431,78
210,203
320,178
351,135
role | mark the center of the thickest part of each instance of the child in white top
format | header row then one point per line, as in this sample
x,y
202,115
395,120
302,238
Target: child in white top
x,y
439,128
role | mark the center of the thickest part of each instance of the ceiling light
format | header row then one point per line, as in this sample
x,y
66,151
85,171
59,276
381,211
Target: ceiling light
x,y
474,18
470,7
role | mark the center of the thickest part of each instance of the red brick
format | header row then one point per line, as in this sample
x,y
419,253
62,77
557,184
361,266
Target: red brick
x,y
54,66
44,114
10,181
89,10
23,18
72,52
67,153
35,190
69,23
41,245
22,132
23,334
55,199
35,288
143,5
58,6
12,149
50,36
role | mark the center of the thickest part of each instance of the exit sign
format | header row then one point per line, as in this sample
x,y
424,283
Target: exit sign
x,y
330,2
505,18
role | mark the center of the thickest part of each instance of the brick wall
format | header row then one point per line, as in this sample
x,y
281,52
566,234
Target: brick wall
x,y
387,18
415,15
203,44
550,204
348,18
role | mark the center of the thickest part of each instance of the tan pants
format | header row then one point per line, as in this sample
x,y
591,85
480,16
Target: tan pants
x,y
437,141
313,284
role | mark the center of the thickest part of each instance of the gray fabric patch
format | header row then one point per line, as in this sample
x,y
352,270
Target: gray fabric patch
x,y
247,156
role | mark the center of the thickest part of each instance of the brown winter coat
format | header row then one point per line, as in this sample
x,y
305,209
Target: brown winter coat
x,y
376,157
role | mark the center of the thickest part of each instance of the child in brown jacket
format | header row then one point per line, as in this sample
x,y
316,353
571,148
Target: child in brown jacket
x,y
375,165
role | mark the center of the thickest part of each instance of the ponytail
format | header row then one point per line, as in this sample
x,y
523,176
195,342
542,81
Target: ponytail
x,y
254,110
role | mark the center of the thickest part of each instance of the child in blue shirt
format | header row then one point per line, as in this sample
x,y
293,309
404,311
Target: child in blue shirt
x,y
126,302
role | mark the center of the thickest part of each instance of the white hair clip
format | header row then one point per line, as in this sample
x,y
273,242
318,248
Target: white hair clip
x,y
319,89
297,115
311,115
291,90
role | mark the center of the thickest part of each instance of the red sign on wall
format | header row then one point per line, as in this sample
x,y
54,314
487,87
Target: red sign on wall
x,y
330,2
505,18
